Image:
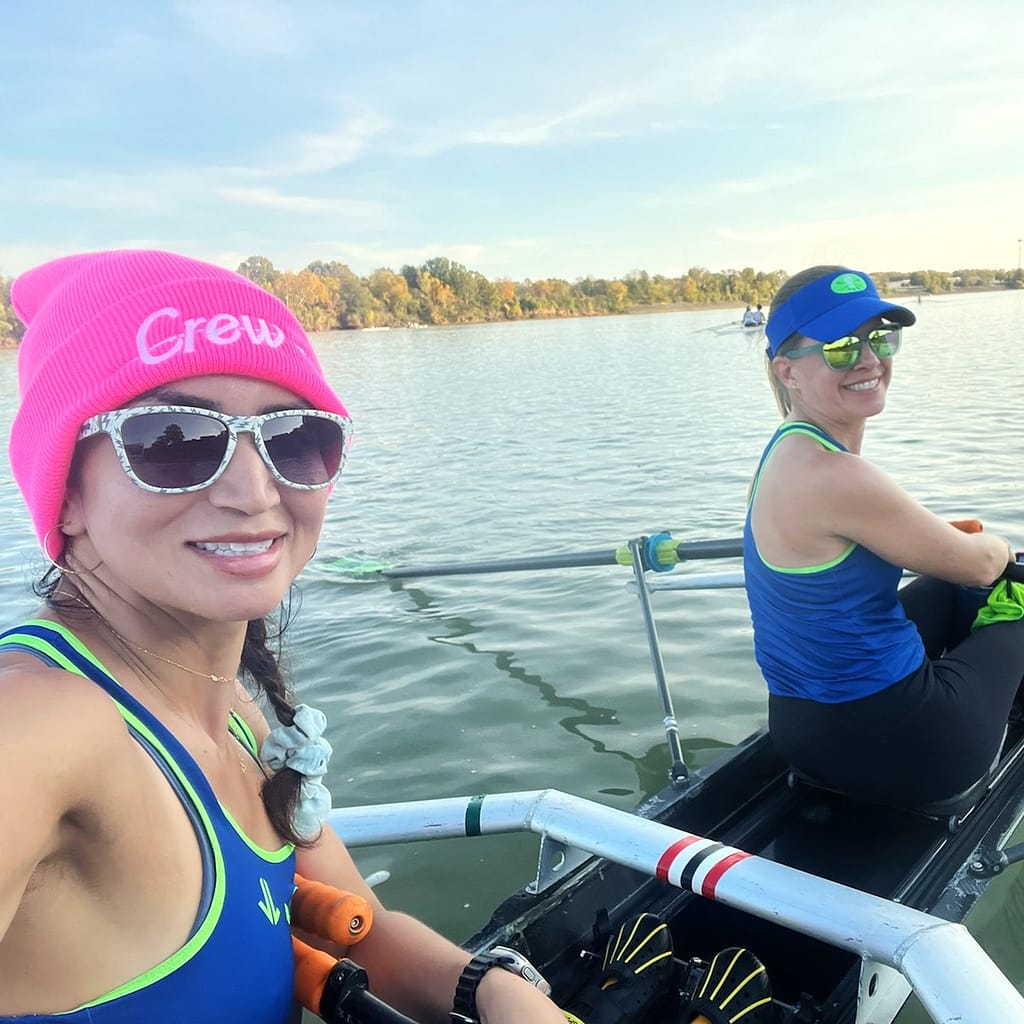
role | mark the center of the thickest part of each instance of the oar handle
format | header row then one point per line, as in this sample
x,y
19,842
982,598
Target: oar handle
x,y
312,968
334,914
337,990
1013,572
967,525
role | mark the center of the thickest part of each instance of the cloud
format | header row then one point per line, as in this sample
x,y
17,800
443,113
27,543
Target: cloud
x,y
315,152
945,227
781,176
15,259
259,27
265,196
125,192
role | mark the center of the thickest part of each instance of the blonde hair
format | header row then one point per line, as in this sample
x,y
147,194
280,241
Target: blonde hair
x,y
786,291
779,390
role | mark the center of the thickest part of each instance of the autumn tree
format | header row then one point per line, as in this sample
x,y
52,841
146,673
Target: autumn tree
x,y
309,297
329,294
259,270
353,304
11,327
392,298
508,298
438,303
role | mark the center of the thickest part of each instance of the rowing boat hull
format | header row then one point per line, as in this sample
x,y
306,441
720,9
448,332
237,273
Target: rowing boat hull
x,y
747,800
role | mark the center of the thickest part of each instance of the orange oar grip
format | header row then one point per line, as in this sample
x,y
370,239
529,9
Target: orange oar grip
x,y
312,966
967,525
343,917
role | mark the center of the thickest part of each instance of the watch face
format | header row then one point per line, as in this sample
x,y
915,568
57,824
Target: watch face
x,y
514,961
464,1006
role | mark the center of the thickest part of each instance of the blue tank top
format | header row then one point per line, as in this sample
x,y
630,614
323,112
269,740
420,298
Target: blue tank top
x,y
834,632
237,964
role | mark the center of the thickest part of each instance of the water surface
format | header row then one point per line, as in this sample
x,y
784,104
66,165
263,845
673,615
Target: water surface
x,y
534,438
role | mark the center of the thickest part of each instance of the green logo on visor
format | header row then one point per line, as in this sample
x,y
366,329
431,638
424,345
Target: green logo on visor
x,y
844,284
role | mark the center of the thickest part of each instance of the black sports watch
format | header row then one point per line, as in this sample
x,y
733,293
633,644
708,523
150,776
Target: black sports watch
x,y
464,1006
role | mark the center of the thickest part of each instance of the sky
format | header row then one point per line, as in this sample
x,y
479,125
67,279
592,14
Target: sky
x,y
524,139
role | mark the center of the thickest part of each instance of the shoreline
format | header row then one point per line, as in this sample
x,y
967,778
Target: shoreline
x,y
902,294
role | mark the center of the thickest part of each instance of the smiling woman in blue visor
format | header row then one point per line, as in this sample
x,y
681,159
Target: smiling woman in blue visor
x,y
894,695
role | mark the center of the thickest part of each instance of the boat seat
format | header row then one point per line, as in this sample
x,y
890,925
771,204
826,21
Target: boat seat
x,y
953,809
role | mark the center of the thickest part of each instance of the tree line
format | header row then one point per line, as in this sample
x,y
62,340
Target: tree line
x,y
330,296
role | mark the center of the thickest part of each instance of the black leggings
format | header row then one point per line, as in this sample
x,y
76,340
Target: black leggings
x,y
932,734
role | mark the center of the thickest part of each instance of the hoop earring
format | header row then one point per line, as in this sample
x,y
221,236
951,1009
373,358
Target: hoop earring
x,y
46,550
63,569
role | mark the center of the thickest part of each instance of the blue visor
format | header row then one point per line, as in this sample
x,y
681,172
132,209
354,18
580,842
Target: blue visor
x,y
831,307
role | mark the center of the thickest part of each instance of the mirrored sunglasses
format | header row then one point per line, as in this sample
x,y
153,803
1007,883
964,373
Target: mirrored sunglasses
x,y
844,353
174,449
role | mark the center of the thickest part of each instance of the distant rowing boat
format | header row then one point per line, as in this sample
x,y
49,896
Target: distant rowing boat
x,y
737,328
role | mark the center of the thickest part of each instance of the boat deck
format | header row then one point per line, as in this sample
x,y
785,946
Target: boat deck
x,y
747,801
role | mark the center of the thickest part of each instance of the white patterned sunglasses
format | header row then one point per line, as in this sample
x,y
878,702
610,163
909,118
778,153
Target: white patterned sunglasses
x,y
174,449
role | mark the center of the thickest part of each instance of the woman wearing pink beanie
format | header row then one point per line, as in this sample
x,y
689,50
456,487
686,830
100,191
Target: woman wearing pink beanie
x,y
176,444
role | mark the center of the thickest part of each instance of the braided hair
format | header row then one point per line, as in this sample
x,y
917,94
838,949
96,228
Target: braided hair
x,y
280,792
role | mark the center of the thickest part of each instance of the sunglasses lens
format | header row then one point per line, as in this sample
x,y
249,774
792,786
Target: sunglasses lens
x,y
885,343
305,450
842,353
174,449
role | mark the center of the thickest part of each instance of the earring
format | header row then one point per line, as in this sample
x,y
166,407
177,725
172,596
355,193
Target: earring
x,y
46,550
62,567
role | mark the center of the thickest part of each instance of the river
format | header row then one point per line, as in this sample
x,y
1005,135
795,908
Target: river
x,y
536,438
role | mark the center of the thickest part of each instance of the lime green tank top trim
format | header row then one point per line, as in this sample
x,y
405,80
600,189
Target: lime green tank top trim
x,y
238,727
807,429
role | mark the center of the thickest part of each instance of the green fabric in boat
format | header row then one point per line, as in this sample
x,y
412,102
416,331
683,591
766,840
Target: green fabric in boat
x,y
1005,603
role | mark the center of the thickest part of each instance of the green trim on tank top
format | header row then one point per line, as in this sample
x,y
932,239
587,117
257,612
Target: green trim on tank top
x,y
240,729
198,940
813,432
243,733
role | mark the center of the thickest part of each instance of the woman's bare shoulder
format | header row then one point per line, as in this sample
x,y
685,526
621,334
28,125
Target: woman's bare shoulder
x,y
47,708
65,747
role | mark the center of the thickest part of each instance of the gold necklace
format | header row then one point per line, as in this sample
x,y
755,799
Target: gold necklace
x,y
212,676
240,751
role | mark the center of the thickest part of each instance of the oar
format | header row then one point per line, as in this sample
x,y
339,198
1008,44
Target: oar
x,y
661,551
718,327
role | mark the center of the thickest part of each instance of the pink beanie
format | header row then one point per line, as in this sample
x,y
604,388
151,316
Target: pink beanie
x,y
105,327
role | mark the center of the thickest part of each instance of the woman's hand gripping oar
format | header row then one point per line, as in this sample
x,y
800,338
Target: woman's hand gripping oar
x,y
341,918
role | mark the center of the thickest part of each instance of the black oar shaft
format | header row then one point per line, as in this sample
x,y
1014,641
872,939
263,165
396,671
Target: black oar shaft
x,y
581,558
668,550
697,549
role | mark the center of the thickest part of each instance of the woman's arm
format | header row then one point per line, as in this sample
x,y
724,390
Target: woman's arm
x,y
413,967
859,502
49,750
408,964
